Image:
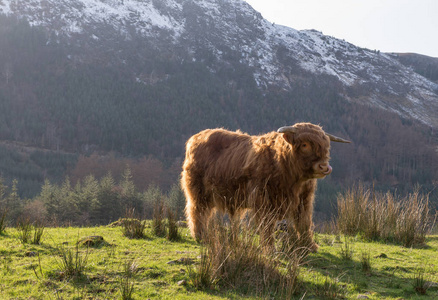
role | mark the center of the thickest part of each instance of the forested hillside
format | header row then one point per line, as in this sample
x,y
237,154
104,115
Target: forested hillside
x,y
61,116
424,65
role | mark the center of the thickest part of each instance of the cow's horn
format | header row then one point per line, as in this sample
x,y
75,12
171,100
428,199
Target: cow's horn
x,y
336,139
287,129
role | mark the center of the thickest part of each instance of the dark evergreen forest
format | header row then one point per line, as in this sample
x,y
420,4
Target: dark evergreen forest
x,y
71,110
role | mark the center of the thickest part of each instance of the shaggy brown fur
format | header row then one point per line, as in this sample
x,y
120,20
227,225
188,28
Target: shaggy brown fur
x,y
272,173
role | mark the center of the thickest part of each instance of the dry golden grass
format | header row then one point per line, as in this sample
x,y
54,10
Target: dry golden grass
x,y
379,216
233,257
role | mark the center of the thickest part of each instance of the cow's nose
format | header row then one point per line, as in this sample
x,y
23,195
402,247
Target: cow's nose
x,y
325,168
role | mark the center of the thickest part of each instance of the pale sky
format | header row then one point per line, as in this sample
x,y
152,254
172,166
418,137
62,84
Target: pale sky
x,y
385,25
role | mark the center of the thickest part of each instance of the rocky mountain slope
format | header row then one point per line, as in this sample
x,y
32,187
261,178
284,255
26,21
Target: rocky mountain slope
x,y
229,32
81,80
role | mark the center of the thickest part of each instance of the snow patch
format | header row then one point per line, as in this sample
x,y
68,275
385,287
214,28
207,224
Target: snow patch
x,y
257,42
4,7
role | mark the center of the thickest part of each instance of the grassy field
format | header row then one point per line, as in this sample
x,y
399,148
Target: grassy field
x,y
155,268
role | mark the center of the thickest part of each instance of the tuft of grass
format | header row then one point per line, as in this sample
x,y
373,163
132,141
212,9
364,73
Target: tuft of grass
x,y
419,283
126,281
173,229
365,261
158,223
29,232
40,269
384,217
346,250
38,231
233,257
132,227
6,263
202,276
24,228
352,207
72,262
414,220
330,289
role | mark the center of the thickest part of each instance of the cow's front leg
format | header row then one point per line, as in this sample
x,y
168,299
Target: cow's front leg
x,y
304,227
303,218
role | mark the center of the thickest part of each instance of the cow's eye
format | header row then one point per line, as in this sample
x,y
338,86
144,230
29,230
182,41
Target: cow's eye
x,y
305,147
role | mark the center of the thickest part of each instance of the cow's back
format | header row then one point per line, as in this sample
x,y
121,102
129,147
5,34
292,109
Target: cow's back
x,y
217,153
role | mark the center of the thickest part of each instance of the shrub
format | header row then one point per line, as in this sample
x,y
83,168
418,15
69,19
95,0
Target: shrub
x,y
35,211
176,200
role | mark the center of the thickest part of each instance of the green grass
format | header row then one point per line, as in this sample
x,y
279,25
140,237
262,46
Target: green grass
x,y
153,266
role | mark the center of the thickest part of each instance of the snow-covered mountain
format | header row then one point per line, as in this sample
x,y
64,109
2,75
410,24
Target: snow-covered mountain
x,y
230,32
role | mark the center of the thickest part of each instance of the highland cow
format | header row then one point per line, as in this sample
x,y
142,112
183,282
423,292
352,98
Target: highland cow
x,y
272,174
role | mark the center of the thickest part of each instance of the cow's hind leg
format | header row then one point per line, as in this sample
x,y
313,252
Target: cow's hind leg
x,y
198,207
198,215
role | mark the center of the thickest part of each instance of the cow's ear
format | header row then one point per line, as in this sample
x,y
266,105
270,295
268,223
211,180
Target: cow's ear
x,y
289,137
